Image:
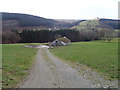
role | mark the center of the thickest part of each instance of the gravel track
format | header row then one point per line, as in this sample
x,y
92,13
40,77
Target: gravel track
x,y
51,72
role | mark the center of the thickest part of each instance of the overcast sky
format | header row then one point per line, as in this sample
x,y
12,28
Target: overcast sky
x,y
63,9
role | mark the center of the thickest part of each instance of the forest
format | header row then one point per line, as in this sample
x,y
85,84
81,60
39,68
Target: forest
x,y
45,36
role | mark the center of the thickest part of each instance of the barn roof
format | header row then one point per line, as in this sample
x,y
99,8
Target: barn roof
x,y
64,39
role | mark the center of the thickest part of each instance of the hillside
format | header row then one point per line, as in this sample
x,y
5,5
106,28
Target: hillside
x,y
97,23
17,21
114,23
25,21
66,23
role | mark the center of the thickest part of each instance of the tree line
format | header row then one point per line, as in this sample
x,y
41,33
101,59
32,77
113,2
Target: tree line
x,y
44,36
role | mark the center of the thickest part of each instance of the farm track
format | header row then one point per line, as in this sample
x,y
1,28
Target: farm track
x,y
51,72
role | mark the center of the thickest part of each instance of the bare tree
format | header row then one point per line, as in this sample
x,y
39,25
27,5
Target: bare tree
x,y
108,34
10,37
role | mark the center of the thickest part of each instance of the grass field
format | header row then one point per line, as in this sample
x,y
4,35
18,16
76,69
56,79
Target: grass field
x,y
16,61
99,55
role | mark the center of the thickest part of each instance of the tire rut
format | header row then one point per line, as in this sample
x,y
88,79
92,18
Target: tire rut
x,y
51,65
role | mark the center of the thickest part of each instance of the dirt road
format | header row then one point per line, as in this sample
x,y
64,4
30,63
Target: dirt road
x,y
50,72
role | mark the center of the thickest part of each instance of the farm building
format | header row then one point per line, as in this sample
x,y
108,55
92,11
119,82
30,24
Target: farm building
x,y
63,41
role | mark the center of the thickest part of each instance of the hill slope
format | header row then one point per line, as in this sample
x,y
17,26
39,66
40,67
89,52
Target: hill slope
x,y
114,23
16,20
97,23
28,20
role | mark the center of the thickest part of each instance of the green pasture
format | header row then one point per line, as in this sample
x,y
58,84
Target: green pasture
x,y
98,55
16,62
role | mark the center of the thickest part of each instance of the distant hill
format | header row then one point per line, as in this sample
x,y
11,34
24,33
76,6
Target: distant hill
x,y
25,21
68,20
114,23
66,23
97,23
17,21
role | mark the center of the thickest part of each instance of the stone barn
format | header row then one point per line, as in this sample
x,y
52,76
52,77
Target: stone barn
x,y
62,41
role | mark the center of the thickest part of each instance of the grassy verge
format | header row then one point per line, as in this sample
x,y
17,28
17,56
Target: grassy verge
x,y
100,56
16,61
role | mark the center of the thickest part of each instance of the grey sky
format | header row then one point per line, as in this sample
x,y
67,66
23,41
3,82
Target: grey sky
x,y
63,9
